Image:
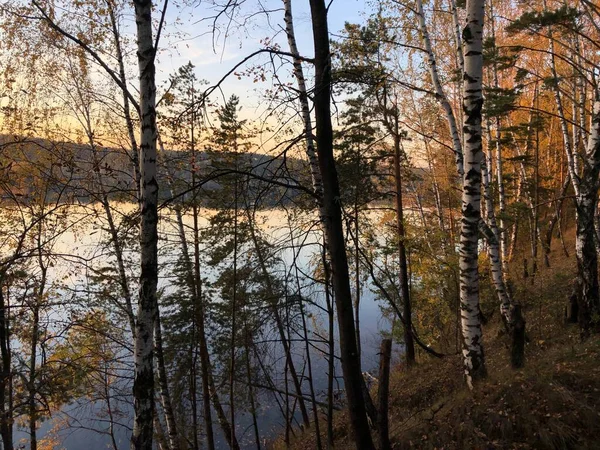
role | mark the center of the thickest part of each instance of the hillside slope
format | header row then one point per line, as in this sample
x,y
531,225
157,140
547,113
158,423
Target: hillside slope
x,y
553,403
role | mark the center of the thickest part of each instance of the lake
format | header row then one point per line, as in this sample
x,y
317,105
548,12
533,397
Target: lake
x,y
83,247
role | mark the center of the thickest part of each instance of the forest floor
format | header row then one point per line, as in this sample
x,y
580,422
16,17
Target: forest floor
x,y
552,403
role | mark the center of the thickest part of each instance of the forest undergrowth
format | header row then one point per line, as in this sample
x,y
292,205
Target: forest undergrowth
x,y
552,403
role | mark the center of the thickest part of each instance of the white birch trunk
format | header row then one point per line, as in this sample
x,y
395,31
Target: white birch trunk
x,y
143,384
587,257
471,199
438,89
313,162
457,35
571,165
501,232
494,249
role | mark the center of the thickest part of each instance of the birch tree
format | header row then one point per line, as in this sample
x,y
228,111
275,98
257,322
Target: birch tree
x,y
459,145
587,200
584,181
143,384
474,360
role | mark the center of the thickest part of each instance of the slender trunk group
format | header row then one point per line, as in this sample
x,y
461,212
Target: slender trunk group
x,y
317,182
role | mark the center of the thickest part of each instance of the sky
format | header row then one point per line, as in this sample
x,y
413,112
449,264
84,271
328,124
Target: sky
x,y
189,38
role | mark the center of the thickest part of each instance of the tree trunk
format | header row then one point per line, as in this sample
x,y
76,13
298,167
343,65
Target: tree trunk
x,y
251,400
587,257
194,283
118,251
232,365
409,345
501,232
439,90
474,361
221,416
31,406
555,218
38,297
494,253
6,415
163,385
436,191
383,393
357,287
161,441
109,409
143,384
135,157
195,286
304,106
563,121
331,355
317,183
339,264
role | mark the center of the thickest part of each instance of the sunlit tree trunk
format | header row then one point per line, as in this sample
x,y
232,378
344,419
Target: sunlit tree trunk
x,y
494,247
555,217
501,232
563,122
439,90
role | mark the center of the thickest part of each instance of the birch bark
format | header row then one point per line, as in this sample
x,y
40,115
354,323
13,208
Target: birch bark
x,y
304,106
439,90
563,122
587,257
494,247
474,361
501,231
143,384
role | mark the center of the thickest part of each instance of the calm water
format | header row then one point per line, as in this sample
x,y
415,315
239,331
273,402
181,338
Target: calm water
x,y
88,431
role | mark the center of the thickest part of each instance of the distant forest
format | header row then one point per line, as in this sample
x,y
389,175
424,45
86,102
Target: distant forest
x,y
73,165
